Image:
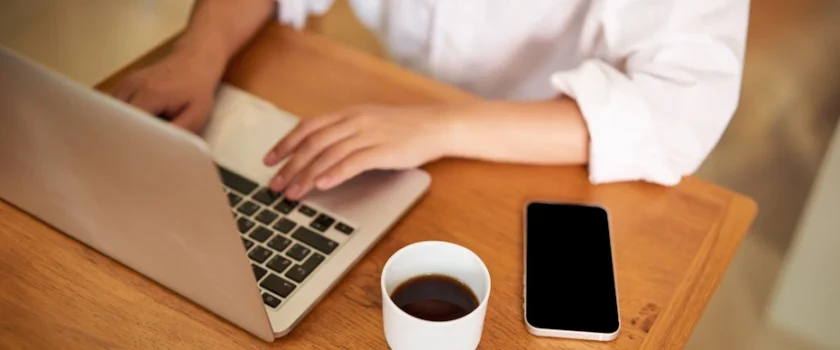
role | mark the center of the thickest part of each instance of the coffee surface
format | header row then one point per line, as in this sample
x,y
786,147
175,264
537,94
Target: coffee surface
x,y
435,298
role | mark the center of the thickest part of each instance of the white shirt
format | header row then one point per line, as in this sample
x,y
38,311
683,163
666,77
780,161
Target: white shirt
x,y
657,81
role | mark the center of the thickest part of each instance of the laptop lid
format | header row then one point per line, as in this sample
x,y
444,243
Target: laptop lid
x,y
128,185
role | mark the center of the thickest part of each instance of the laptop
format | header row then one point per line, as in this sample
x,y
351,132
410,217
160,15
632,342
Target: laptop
x,y
188,211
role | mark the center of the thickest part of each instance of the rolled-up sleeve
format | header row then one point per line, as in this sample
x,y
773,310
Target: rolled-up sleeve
x,y
295,12
658,98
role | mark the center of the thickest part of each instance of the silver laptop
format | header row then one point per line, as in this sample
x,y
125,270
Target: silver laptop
x,y
189,212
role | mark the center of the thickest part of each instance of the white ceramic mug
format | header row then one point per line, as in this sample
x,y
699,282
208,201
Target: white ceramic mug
x,y
406,332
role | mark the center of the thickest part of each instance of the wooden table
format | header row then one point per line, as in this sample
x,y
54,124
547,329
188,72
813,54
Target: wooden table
x,y
672,245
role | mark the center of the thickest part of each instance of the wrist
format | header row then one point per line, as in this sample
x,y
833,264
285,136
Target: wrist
x,y
459,128
208,54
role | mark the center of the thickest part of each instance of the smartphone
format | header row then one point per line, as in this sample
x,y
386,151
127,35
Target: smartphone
x,y
570,284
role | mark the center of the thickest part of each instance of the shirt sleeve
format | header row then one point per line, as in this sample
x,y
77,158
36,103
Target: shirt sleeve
x,y
295,12
672,84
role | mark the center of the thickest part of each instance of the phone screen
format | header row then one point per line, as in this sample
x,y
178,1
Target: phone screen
x,y
570,283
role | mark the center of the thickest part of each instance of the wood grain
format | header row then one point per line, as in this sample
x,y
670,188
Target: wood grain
x,y
672,245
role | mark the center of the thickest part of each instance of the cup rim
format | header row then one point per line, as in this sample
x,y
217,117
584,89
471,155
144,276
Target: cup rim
x,y
486,272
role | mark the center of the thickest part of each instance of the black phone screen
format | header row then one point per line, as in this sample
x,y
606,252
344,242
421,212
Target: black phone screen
x,y
569,282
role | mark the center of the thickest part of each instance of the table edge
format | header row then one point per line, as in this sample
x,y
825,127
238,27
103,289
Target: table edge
x,y
672,329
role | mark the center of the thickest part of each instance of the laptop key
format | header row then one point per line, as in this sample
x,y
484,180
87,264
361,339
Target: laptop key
x,y
247,243
248,208
284,225
270,300
266,217
307,211
233,198
286,206
298,252
314,260
322,222
237,182
244,224
278,263
343,228
315,240
259,272
266,196
297,274
260,234
279,243
278,285
260,254
300,272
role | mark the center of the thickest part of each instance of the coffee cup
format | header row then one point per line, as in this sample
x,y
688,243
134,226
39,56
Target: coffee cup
x,y
434,296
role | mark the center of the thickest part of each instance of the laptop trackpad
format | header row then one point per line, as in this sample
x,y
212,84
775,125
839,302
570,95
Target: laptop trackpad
x,y
242,129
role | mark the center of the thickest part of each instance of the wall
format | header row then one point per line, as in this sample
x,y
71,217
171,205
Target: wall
x,y
89,39
806,298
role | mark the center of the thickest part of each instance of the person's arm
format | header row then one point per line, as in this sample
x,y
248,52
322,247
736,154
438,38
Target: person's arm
x,y
327,150
551,132
181,86
654,117
219,28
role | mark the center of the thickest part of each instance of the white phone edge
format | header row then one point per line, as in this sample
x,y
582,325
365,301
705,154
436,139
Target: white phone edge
x,y
560,333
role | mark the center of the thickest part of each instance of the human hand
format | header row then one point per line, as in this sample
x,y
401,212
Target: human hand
x,y
179,88
327,150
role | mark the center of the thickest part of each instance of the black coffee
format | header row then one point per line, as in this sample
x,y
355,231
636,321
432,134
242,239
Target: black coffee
x,y
435,298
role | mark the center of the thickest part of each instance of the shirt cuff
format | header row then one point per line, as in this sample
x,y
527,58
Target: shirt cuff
x,y
295,12
623,136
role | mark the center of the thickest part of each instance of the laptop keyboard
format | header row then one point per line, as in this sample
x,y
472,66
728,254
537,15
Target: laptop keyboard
x,y
285,240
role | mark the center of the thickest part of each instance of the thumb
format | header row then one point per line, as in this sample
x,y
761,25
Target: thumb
x,y
194,117
148,103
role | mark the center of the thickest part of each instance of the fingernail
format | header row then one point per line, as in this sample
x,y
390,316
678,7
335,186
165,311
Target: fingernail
x,y
276,183
323,183
270,158
293,191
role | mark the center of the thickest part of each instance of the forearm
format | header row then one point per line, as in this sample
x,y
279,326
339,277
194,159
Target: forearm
x,y
219,28
544,132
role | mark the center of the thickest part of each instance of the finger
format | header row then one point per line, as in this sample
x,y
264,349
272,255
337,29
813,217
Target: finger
x,y
305,180
310,148
124,89
354,164
145,101
297,135
192,117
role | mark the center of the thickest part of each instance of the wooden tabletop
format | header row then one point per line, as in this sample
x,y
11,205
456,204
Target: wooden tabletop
x,y
672,245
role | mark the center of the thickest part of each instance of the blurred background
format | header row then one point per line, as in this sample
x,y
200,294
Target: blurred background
x,y
782,289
